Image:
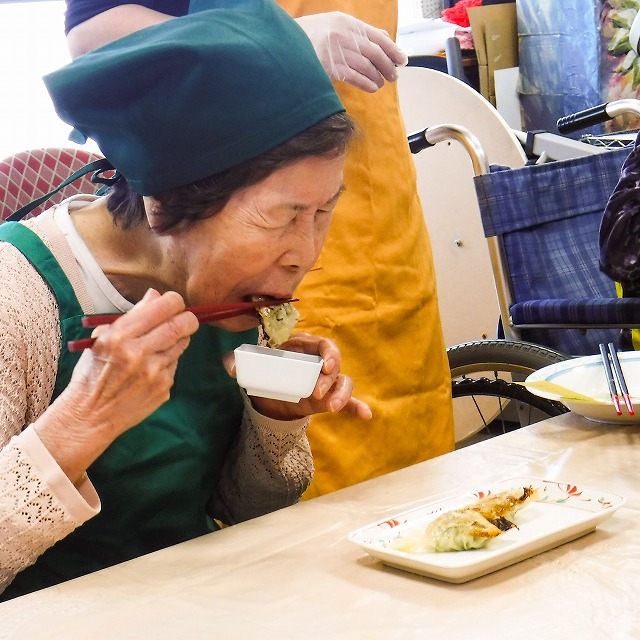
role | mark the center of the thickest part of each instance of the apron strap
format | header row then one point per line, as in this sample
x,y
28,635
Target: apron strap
x,y
32,247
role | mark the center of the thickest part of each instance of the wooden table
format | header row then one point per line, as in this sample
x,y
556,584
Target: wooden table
x,y
293,573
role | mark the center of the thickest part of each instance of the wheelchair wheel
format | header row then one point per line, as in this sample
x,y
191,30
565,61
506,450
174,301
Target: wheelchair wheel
x,y
487,401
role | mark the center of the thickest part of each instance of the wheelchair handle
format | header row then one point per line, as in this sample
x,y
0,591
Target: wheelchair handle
x,y
598,114
439,133
418,141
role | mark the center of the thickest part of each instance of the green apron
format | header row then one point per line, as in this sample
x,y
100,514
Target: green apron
x,y
155,480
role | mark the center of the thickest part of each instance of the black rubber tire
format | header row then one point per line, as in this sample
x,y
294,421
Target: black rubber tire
x,y
469,363
500,355
508,391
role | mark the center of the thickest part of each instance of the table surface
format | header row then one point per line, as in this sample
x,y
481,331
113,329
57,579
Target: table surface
x,y
294,573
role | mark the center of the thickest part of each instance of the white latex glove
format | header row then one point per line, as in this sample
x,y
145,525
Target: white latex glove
x,y
353,51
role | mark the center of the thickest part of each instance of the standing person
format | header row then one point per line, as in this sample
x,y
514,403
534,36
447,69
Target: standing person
x,y
389,329
145,440
373,289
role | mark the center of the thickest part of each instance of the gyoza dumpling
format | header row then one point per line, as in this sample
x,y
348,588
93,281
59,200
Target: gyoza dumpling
x,y
469,527
277,322
504,505
460,530
452,531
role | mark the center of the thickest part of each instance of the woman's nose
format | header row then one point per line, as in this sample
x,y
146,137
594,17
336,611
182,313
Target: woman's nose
x,y
304,249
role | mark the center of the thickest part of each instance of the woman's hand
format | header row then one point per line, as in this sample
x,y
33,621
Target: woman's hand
x,y
121,380
333,391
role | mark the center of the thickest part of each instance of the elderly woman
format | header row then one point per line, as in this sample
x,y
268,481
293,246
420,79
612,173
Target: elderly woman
x,y
377,247
230,155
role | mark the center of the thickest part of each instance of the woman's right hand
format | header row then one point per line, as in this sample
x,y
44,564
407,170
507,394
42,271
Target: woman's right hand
x,y
122,379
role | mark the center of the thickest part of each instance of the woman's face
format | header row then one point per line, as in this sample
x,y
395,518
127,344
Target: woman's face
x,y
264,240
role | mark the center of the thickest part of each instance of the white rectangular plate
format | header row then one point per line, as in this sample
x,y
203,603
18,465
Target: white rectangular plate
x,y
562,513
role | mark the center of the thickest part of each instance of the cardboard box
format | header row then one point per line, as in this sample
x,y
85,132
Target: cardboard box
x,y
495,38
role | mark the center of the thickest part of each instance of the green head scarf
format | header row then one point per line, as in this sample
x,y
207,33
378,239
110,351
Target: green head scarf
x,y
188,98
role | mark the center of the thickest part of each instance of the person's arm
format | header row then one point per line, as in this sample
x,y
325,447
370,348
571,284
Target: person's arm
x,y
39,504
128,373
620,228
349,49
110,25
269,467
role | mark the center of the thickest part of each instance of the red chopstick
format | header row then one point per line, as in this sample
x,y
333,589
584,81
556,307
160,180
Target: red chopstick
x,y
611,383
619,376
204,314
213,311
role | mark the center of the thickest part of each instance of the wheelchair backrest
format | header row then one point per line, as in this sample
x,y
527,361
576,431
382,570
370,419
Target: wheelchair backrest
x,y
547,218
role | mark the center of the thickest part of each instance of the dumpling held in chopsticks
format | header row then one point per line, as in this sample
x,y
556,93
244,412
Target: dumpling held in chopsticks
x,y
277,323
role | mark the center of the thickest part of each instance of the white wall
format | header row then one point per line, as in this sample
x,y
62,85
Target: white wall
x,y
409,11
32,43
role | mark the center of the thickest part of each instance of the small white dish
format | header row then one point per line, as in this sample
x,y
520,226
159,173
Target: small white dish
x,y
586,376
274,373
563,512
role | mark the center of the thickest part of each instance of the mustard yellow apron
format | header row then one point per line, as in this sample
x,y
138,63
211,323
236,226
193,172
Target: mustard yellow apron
x,y
373,292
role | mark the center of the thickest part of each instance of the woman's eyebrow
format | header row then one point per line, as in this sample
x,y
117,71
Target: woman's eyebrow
x,y
303,207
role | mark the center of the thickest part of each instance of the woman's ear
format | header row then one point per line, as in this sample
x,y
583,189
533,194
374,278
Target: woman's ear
x,y
153,210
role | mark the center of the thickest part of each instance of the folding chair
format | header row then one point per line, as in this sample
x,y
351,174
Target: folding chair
x,y
28,175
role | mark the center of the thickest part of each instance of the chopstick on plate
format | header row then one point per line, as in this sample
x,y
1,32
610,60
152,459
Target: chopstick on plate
x,y
205,314
613,391
619,376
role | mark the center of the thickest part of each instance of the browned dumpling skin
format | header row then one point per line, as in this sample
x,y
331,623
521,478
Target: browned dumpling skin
x,y
470,527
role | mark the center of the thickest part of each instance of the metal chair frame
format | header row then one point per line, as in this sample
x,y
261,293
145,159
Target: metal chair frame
x,y
513,330
506,360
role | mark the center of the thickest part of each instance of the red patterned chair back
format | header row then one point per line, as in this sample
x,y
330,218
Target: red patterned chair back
x,y
28,175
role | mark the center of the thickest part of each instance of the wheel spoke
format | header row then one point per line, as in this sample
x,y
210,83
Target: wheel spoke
x,y
487,401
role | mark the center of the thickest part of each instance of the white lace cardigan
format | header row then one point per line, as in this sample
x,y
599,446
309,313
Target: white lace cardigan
x,y
269,468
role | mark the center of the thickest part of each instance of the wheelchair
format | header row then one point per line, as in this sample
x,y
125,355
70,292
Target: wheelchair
x,y
541,223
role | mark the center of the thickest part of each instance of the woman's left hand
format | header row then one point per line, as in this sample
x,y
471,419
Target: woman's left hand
x,y
333,391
